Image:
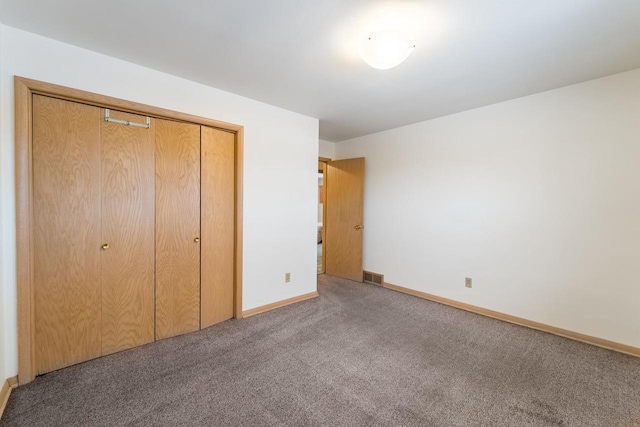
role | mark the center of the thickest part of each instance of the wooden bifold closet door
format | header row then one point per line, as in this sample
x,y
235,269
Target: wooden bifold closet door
x,y
94,234
177,228
218,227
134,230
128,205
67,231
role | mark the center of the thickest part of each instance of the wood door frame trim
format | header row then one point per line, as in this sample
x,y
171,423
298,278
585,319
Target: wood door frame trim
x,y
326,161
24,89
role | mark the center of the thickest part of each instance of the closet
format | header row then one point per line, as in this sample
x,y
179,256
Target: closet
x,y
133,229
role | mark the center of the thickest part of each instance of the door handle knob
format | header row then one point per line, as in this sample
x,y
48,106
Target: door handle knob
x,y
105,246
197,239
359,227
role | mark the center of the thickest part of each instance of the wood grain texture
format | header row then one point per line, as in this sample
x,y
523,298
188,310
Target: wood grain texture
x,y
237,308
24,235
598,342
344,182
13,382
66,198
128,266
279,304
5,392
217,192
177,225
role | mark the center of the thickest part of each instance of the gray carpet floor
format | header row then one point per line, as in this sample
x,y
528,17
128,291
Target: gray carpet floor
x,y
358,355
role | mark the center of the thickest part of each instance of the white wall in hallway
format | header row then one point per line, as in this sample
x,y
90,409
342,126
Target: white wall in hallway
x,y
536,199
280,165
326,149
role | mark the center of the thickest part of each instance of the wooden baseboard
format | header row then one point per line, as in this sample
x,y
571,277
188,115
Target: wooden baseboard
x,y
278,304
5,392
599,342
13,382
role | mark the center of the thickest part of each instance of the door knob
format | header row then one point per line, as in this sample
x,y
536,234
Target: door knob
x,y
105,246
359,227
197,239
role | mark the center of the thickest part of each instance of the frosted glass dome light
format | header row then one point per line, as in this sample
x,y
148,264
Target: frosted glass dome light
x,y
386,49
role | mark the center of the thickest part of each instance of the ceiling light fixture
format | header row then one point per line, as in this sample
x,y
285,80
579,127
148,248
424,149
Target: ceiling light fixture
x,y
386,49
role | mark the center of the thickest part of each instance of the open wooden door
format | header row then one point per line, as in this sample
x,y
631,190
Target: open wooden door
x,y
344,221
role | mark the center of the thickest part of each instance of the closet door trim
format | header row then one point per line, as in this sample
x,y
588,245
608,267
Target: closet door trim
x,y
24,90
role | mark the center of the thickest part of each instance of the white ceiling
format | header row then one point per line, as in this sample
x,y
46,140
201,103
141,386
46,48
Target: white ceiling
x,y
302,55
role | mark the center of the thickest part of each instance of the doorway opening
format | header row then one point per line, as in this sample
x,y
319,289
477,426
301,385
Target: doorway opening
x,y
342,211
321,252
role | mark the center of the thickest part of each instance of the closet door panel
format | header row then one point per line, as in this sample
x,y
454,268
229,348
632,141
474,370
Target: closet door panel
x,y
128,199
217,213
66,218
177,228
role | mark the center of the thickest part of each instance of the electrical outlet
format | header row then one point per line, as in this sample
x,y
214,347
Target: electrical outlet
x,y
287,277
467,282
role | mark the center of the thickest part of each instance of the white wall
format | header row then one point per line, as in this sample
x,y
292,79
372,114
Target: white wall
x,y
536,199
326,149
4,339
280,164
